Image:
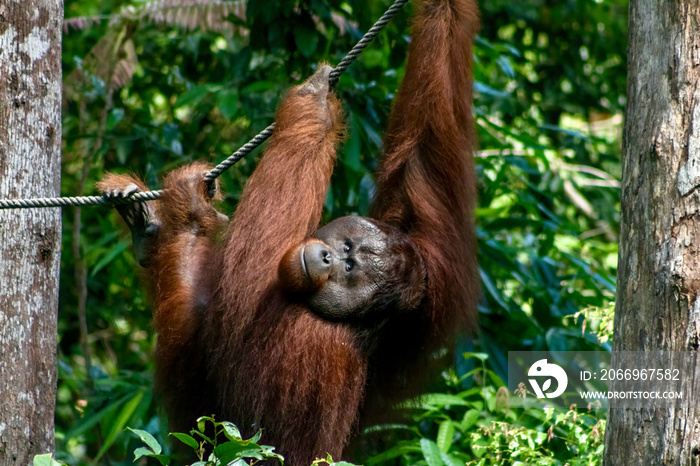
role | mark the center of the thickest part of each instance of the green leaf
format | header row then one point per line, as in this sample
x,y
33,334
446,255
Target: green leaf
x,y
251,453
148,439
145,452
120,423
470,418
45,460
488,90
492,288
450,460
394,452
480,356
142,451
446,433
202,424
186,439
115,116
231,431
231,451
506,66
440,400
256,437
431,452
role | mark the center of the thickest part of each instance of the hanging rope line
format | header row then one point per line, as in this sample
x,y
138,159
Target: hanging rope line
x,y
226,164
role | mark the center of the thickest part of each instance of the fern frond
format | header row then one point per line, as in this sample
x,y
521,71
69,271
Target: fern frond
x,y
190,14
79,23
113,59
338,20
124,70
342,23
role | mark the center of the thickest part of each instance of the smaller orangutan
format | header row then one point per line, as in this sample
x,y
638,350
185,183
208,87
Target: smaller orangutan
x,y
309,332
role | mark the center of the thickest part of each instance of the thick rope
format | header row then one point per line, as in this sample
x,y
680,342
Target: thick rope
x,y
226,164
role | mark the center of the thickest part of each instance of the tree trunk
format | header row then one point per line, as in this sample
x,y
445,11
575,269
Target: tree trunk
x,y
30,239
659,262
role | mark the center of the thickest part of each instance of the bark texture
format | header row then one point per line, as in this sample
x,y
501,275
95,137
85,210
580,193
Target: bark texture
x,y
30,144
659,272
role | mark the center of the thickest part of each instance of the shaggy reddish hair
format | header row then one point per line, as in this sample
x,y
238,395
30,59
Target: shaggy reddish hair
x,y
231,343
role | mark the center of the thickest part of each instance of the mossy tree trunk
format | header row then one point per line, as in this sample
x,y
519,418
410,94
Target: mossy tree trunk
x,y
30,239
659,272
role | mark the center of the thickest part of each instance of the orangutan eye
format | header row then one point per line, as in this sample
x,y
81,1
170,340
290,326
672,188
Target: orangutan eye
x,y
347,247
349,265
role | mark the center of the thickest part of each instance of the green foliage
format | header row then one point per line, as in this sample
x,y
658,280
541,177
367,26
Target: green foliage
x,y
548,206
480,426
145,97
45,460
214,443
329,461
599,320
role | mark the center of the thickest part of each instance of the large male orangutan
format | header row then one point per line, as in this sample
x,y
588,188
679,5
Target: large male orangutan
x,y
305,331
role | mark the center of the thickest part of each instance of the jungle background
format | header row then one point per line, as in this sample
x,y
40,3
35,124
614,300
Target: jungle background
x,y
149,86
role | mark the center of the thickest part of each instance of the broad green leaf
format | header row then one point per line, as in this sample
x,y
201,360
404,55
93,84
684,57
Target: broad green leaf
x,y
451,460
186,439
45,460
251,453
431,452
446,433
231,451
231,431
480,356
440,400
202,423
148,439
145,452
142,451
470,418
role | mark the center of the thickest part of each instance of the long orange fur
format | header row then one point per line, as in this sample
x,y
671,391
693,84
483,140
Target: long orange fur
x,y
231,343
